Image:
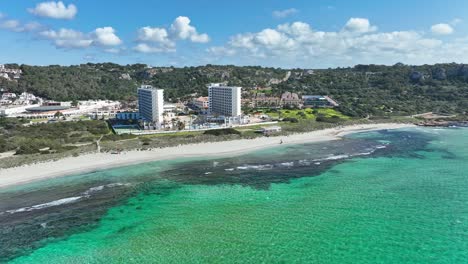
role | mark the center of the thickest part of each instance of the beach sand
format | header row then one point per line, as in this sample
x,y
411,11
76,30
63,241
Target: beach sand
x,y
101,161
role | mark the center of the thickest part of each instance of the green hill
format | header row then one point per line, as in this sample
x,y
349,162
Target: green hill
x,y
362,90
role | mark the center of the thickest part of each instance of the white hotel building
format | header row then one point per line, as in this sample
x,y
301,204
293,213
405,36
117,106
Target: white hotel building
x,y
151,104
224,100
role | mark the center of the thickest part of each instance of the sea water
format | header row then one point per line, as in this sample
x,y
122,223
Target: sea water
x,y
398,196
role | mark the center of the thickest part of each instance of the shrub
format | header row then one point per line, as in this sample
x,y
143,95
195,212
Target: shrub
x,y
221,132
290,119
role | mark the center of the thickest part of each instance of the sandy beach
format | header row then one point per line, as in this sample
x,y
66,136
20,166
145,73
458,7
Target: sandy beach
x,y
101,161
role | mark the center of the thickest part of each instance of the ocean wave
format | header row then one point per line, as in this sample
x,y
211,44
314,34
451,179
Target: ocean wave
x,y
68,200
255,167
305,162
333,157
287,164
91,190
46,205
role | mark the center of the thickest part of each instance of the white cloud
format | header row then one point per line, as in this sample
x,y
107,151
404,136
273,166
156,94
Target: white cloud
x,y
56,10
359,25
2,15
284,13
158,39
72,39
16,26
156,35
114,50
32,26
182,29
442,29
299,45
12,24
145,48
221,51
106,37
67,38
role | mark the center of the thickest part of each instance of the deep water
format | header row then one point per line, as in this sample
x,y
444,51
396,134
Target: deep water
x,y
396,196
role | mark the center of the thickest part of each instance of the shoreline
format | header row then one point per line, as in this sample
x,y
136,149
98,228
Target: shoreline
x,y
101,161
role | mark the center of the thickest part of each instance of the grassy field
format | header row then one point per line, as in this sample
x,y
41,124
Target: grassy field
x,y
305,113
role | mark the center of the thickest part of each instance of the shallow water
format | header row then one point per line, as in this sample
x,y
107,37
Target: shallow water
x,y
376,197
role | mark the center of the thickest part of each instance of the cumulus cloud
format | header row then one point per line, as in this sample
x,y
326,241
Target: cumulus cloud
x,y
106,37
284,13
298,44
182,29
442,29
73,39
359,25
67,38
56,10
158,39
155,35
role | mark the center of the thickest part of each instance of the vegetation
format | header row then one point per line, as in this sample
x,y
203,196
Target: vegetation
x,y
222,132
304,113
362,91
23,138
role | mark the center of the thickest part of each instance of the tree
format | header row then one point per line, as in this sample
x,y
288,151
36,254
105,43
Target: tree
x,y
58,114
180,125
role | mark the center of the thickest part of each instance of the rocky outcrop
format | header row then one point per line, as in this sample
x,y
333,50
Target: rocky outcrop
x,y
125,76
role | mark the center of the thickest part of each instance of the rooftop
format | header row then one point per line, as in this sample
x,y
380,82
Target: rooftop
x,y
47,108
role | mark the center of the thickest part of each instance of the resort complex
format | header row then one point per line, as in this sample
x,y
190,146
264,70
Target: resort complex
x,y
227,132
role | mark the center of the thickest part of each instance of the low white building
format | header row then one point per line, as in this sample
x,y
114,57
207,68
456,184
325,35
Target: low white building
x,y
15,110
270,130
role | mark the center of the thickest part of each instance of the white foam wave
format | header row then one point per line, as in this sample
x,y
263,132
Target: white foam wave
x,y
255,167
46,205
287,164
85,194
91,190
333,157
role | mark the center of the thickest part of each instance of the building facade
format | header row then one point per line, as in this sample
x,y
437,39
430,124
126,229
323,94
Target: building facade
x,y
201,103
151,104
224,100
290,99
127,116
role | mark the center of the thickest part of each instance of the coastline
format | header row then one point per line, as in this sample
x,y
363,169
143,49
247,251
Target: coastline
x,y
101,161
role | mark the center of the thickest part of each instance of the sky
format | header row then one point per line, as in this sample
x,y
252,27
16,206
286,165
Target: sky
x,y
273,33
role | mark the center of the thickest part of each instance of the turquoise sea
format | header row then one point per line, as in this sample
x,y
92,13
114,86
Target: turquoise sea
x,y
398,196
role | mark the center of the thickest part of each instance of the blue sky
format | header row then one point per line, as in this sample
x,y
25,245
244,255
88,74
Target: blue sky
x,y
307,34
